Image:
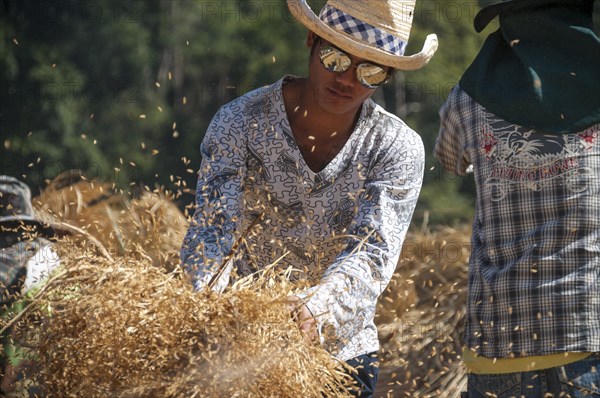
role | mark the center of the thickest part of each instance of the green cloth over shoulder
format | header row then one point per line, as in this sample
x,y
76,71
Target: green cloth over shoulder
x,y
541,68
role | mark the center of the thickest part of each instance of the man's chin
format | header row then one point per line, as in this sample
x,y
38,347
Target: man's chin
x,y
336,104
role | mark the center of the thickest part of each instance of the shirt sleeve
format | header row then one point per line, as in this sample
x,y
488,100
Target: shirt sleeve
x,y
345,299
40,266
213,227
449,145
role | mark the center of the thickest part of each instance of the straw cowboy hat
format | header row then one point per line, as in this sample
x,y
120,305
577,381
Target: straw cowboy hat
x,y
374,30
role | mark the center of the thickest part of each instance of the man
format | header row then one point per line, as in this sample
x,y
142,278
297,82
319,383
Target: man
x,y
26,260
312,167
525,115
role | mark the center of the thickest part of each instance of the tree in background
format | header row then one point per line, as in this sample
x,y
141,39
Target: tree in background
x,y
78,88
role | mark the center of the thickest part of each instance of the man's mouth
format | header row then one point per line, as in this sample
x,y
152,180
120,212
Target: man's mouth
x,y
339,93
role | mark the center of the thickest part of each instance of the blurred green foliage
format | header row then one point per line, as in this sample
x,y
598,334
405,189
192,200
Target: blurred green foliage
x,y
124,89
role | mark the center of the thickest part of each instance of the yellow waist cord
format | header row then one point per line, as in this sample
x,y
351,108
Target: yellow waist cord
x,y
482,365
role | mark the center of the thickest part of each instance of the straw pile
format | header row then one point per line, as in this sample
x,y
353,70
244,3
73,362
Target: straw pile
x,y
120,319
123,328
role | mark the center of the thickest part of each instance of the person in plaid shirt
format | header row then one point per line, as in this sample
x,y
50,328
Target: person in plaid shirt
x,y
525,117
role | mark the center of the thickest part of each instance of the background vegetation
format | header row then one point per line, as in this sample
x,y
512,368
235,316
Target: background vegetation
x,y
124,89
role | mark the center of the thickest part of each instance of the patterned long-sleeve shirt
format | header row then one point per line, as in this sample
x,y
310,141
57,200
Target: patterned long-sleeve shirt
x,y
534,272
342,227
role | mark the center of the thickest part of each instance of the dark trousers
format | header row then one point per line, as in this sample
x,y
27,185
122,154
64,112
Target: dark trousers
x,y
366,370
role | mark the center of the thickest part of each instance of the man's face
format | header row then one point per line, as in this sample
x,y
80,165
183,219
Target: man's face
x,y
335,92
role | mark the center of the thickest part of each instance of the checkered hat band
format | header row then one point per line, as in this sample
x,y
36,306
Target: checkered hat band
x,y
361,30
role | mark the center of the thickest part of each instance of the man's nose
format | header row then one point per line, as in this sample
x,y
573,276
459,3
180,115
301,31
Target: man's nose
x,y
348,77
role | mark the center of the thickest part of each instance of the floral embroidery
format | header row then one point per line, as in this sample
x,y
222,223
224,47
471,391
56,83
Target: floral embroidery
x,y
488,142
588,137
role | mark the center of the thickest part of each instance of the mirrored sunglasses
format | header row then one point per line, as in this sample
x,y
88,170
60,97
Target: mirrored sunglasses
x,y
368,74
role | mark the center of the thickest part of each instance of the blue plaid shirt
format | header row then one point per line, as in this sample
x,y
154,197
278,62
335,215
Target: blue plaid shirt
x,y
534,272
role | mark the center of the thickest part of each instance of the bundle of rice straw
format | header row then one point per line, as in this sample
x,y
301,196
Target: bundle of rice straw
x,y
87,204
123,328
122,224
153,222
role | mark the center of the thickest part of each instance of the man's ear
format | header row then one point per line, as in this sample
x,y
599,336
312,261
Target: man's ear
x,y
311,39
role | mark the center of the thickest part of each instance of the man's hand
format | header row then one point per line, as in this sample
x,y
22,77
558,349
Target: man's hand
x,y
304,318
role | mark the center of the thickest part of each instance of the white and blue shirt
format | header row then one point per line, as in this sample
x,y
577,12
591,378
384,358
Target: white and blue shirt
x,y
342,227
